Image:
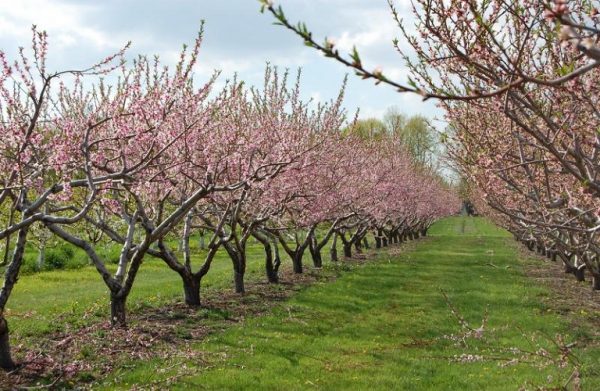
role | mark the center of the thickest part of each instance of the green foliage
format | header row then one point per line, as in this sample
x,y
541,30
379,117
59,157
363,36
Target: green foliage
x,y
421,140
58,258
371,128
110,253
417,135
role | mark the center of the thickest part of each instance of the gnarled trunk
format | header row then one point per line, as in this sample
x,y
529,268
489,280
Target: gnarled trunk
x,y
238,258
316,257
378,239
41,259
315,252
348,250
239,270
297,262
579,273
358,246
272,260
11,276
366,242
6,361
202,242
333,249
238,278
270,264
272,274
569,269
191,291
118,310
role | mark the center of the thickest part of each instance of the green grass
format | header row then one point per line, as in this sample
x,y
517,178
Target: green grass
x,y
381,326
44,302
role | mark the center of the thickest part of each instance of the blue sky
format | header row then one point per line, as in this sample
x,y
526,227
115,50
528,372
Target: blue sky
x,y
237,39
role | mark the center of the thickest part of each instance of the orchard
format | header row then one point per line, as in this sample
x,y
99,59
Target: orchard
x,y
154,157
516,84
179,190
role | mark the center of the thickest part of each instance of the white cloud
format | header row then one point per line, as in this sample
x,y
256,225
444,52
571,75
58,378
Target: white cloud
x,y
377,29
238,40
66,23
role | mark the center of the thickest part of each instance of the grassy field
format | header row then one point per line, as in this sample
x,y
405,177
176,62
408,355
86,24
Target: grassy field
x,y
383,324
386,325
43,302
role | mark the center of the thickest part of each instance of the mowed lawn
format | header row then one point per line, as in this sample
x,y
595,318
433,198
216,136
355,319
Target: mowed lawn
x,y
386,325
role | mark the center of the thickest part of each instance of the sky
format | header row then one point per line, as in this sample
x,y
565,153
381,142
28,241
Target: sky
x,y
238,39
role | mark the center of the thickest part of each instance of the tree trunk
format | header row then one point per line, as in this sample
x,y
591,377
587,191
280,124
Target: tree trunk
x,y
377,241
317,258
358,246
118,311
569,269
579,274
6,361
348,250
366,242
238,278
41,260
272,275
297,262
384,241
333,249
238,259
191,291
596,282
11,275
315,252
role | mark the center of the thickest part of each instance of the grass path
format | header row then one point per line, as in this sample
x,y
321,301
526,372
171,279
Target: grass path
x,y
382,326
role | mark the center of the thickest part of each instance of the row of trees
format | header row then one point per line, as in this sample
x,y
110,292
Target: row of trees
x,y
517,81
524,118
139,156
